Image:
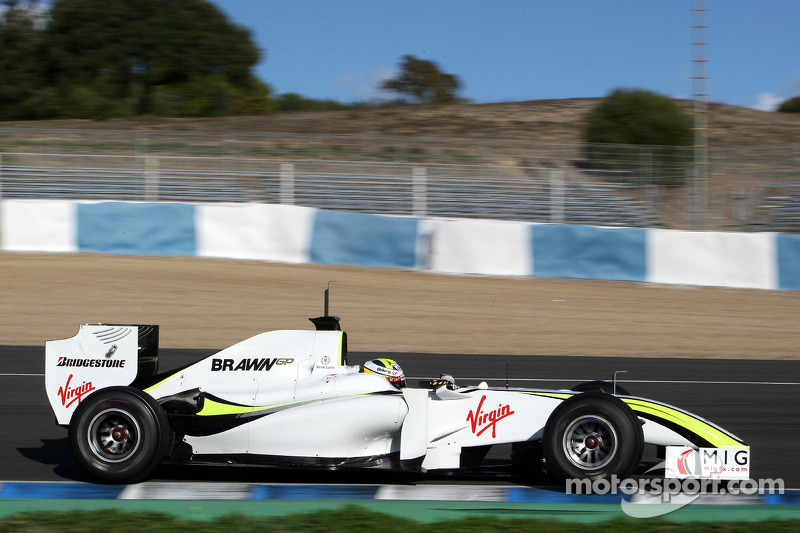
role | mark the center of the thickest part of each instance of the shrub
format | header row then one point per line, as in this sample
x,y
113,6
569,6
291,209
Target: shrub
x,y
633,119
792,105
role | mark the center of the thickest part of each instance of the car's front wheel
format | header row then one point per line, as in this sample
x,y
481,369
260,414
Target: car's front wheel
x,y
119,434
602,386
592,435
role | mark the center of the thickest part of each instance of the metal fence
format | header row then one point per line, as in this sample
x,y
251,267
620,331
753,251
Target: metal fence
x,y
749,189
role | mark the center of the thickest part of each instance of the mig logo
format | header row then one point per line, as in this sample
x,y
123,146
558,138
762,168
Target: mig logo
x,y
681,462
481,420
686,463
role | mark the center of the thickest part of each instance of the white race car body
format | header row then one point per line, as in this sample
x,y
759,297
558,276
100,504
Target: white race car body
x,y
289,398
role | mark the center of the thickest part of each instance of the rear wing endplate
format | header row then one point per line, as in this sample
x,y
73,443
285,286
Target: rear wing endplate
x,y
99,356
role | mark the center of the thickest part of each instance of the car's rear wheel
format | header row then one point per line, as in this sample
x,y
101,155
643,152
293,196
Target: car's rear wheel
x,y
119,434
592,435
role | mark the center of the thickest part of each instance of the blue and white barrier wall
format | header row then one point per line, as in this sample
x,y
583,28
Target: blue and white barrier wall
x,y
294,234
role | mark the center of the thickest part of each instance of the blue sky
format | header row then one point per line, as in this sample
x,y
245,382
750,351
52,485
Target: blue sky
x,y
514,50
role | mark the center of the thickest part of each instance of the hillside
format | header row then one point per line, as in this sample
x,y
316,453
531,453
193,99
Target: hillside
x,y
539,121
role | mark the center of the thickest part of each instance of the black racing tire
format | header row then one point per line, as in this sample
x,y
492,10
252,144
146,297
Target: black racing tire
x,y
590,436
119,434
602,386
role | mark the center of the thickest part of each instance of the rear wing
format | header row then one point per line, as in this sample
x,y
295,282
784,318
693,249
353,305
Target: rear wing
x,y
99,356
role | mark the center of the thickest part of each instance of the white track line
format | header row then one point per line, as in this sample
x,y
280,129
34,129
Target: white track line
x,y
678,381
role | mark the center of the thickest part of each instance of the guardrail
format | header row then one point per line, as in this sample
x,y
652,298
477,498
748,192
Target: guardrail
x,y
442,190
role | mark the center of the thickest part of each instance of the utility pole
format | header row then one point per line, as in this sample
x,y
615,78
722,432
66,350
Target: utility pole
x,y
700,163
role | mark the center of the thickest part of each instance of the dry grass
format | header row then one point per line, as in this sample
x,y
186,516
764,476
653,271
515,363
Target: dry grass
x,y
540,120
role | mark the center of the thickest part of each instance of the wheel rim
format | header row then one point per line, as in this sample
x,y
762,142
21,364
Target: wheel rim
x,y
590,442
113,435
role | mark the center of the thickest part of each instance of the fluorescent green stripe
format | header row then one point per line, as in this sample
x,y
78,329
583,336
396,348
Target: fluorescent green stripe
x,y
559,395
212,408
708,432
153,387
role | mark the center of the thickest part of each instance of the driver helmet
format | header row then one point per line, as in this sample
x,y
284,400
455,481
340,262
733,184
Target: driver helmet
x,y
451,381
389,369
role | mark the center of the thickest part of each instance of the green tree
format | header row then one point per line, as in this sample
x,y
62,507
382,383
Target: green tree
x,y
423,81
21,77
634,119
792,105
293,102
171,56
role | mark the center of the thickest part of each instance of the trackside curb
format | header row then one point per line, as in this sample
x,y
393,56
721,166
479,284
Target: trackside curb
x,y
424,503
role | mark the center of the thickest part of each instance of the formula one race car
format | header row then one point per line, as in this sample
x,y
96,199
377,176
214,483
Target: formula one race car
x,y
289,398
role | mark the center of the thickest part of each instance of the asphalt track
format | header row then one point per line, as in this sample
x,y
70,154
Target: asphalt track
x,y
755,399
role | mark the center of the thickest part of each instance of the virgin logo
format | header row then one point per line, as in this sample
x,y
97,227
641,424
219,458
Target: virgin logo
x,y
482,420
70,395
